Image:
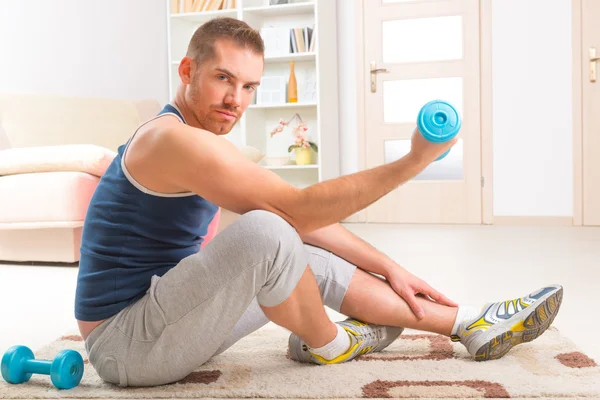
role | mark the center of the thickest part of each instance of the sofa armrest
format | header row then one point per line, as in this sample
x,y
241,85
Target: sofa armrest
x,y
87,158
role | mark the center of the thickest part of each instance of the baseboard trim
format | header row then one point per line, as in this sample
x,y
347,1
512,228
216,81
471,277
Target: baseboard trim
x,y
227,217
534,221
351,219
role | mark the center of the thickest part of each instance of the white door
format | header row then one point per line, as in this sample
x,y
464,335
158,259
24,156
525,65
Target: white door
x,y
591,112
430,50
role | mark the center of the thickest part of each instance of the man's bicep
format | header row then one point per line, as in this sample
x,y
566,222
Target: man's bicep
x,y
216,170
240,185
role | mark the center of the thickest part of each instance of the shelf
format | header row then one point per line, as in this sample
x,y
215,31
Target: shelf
x,y
283,105
291,166
297,57
317,105
291,57
204,15
283,9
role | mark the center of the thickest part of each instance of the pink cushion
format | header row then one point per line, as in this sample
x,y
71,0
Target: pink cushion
x,y
46,196
213,227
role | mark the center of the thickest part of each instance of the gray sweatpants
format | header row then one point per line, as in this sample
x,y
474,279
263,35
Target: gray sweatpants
x,y
210,300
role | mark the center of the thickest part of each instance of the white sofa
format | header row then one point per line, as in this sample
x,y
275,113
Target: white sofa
x,y
43,201
42,207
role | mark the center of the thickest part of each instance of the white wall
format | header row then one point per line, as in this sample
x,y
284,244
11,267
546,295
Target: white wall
x,y
103,48
532,85
533,163
347,87
116,48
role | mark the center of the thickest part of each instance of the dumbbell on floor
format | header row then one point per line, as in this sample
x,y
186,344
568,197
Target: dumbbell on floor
x,y
19,363
438,121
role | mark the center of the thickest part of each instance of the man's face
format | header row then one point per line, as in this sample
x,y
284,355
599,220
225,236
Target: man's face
x,y
221,88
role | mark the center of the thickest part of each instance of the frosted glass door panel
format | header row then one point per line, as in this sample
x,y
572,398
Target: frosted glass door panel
x,y
449,168
423,39
403,99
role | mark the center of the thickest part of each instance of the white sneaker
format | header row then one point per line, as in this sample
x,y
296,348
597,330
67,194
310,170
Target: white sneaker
x,y
364,339
505,324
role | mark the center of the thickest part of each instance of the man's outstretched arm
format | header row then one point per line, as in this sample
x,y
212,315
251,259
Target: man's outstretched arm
x,y
193,160
343,243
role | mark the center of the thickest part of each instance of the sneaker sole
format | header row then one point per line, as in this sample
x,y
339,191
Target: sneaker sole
x,y
536,323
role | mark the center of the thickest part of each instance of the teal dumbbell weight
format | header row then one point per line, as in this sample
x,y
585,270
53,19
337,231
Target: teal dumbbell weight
x,y
66,370
438,121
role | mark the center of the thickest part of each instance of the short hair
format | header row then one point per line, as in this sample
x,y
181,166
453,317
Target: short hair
x,y
201,46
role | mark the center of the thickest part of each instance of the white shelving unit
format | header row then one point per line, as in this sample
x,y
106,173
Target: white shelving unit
x,y
320,114
284,105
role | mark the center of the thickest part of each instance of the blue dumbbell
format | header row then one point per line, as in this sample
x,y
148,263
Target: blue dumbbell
x,y
66,370
438,121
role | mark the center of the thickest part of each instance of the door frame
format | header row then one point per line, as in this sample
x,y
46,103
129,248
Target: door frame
x,y
486,113
577,43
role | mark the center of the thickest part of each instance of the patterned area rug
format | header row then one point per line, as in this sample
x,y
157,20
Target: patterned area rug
x,y
416,365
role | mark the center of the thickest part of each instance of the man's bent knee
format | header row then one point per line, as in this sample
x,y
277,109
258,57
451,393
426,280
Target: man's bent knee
x,y
267,220
280,245
271,233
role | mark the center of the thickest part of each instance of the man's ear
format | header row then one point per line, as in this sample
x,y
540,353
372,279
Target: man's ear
x,y
186,67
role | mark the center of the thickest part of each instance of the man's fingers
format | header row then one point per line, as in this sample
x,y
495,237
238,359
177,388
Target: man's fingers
x,y
414,306
440,298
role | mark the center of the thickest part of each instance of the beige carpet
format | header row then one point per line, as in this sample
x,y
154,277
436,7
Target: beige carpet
x,y
415,366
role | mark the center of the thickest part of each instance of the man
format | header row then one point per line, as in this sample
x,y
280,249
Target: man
x,y
152,307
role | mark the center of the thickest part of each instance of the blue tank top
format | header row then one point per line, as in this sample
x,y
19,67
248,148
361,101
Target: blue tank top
x,y
131,233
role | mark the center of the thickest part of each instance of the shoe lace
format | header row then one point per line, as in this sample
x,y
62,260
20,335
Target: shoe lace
x,y
370,335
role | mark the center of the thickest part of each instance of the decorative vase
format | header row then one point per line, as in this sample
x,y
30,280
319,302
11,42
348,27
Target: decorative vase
x,y
302,156
292,90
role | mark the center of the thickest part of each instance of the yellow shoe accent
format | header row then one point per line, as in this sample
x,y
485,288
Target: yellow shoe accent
x,y
351,331
542,314
529,321
481,323
523,304
495,342
551,304
518,327
339,359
